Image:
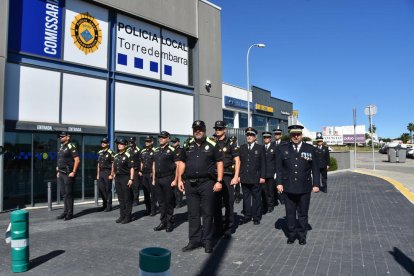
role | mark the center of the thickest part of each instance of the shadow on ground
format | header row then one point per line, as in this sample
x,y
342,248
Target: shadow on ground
x,y
44,258
403,260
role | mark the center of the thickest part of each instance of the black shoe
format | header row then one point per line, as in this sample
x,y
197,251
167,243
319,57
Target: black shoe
x,y
208,247
119,220
227,234
126,220
256,222
61,216
108,209
160,227
152,214
270,210
190,246
244,220
169,228
302,241
290,241
68,217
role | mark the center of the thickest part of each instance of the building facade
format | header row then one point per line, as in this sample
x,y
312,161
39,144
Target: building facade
x,y
99,68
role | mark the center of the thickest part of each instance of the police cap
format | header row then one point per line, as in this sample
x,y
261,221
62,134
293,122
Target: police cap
x,y
266,134
233,138
149,138
63,134
295,129
219,124
199,124
122,141
250,130
164,134
277,131
132,139
175,140
319,136
105,140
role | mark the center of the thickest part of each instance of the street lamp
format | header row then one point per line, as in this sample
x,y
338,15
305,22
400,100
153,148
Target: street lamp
x,y
260,45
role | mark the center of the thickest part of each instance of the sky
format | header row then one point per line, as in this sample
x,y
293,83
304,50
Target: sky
x,y
326,57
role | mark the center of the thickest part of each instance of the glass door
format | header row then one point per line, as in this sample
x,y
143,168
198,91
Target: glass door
x,y
45,146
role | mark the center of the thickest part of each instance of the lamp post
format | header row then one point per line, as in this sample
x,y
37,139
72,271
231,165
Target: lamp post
x,y
260,45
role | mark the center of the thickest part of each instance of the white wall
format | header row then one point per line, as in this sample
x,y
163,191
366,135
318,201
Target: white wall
x,y
177,113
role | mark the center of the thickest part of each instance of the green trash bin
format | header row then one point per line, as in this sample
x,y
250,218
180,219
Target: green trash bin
x,y
154,261
19,240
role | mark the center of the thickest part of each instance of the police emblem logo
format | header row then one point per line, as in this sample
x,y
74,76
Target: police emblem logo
x,y
286,152
168,151
107,155
86,33
271,150
123,158
256,152
207,147
224,149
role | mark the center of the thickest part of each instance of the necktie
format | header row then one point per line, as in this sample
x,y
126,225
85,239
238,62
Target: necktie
x,y
267,146
296,148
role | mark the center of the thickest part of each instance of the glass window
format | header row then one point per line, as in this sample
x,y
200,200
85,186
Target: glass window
x,y
77,188
273,123
259,121
92,145
243,120
45,147
228,118
17,169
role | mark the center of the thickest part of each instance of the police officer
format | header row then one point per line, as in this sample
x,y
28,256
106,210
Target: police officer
x,y
269,188
237,193
164,178
278,197
103,175
67,165
252,175
201,159
124,173
146,158
231,164
296,163
323,156
134,151
175,143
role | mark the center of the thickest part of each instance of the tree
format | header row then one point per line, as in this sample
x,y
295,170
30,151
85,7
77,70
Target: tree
x,y
405,137
410,128
306,139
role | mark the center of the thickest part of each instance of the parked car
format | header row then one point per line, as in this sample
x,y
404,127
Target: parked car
x,y
410,151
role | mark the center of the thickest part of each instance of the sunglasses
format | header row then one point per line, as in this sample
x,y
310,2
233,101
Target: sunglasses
x,y
296,134
250,134
220,128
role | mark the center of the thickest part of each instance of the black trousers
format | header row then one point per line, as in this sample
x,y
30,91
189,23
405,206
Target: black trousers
x,y
224,197
268,194
150,197
178,196
66,187
200,204
105,187
297,204
252,204
135,187
165,196
324,177
124,196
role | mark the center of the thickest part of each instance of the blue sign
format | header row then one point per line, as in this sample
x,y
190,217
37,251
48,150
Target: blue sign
x,y
35,27
233,102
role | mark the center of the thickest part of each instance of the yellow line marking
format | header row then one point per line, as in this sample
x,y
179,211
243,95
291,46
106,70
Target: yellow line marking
x,y
400,187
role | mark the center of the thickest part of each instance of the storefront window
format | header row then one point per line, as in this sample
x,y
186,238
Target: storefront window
x,y
243,120
92,145
259,121
228,118
17,169
273,123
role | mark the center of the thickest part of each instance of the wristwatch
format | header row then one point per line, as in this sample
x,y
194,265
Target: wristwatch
x,y
220,181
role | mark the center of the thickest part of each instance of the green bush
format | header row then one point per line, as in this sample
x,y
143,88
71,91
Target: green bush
x,y
333,164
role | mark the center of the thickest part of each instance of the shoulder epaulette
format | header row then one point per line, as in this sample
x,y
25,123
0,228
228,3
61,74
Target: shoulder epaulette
x,y
70,145
100,151
127,154
152,149
110,151
171,148
211,141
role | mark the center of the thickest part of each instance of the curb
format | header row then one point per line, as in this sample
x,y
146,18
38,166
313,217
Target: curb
x,y
399,186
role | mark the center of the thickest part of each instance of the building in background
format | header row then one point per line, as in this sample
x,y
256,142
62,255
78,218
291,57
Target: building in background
x,y
341,135
267,112
98,68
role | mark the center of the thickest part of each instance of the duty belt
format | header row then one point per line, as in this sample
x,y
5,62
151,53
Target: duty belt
x,y
198,180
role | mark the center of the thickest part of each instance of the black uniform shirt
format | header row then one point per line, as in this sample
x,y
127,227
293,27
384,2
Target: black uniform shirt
x,y
66,155
147,157
105,159
230,151
323,156
164,159
134,152
123,163
270,154
201,160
